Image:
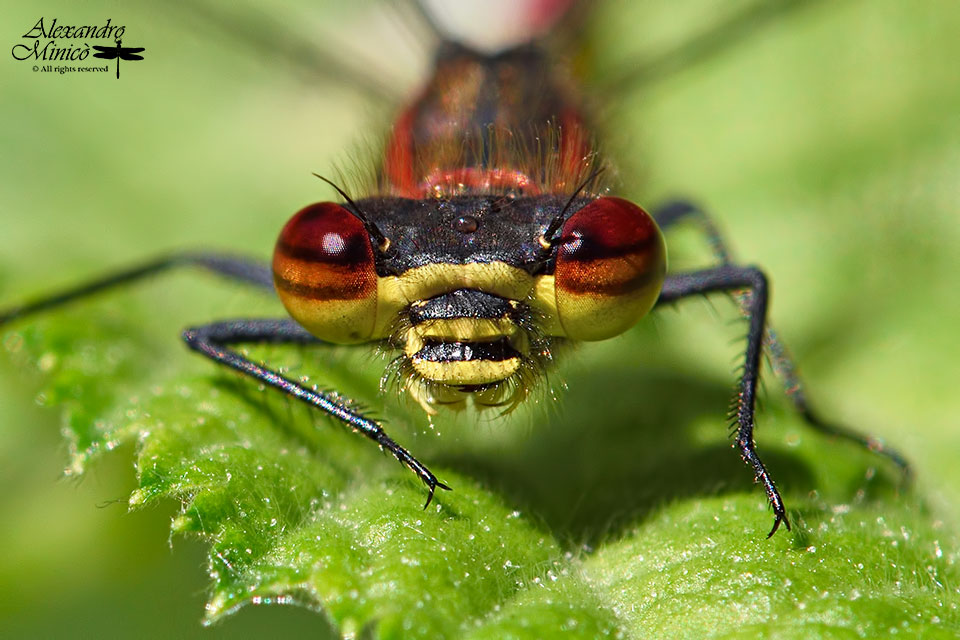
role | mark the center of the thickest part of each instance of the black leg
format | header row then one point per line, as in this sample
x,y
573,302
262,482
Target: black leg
x,y
211,340
673,212
241,269
732,278
679,211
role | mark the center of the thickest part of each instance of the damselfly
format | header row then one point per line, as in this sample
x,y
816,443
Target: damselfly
x,y
485,241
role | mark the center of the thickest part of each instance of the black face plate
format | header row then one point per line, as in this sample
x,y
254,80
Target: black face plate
x,y
433,231
440,351
462,303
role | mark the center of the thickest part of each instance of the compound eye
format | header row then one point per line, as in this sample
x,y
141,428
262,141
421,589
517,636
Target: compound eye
x,y
324,272
609,270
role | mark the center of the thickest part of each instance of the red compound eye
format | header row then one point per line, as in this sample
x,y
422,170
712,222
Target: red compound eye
x,y
610,266
324,272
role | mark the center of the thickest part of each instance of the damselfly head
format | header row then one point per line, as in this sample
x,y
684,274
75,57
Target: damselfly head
x,y
475,292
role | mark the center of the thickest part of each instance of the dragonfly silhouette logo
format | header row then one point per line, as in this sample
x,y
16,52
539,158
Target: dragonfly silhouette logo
x,y
118,52
49,43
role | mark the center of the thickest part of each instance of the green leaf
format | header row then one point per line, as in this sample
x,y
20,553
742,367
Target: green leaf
x,y
298,510
619,510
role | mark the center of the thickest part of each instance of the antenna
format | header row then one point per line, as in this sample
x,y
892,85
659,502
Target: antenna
x,y
383,242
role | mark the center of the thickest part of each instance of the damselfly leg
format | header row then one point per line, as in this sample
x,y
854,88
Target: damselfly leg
x,y
728,278
241,269
212,341
677,212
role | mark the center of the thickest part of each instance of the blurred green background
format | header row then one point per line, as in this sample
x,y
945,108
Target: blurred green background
x,y
827,142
